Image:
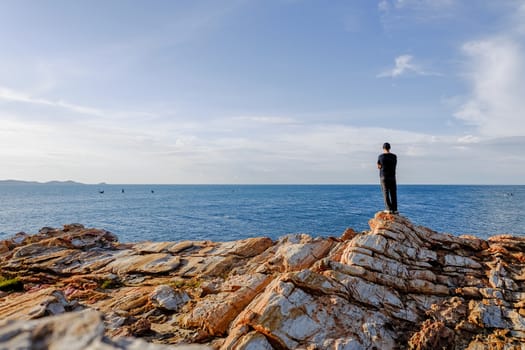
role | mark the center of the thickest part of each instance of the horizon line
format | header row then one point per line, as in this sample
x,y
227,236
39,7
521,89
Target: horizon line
x,y
73,182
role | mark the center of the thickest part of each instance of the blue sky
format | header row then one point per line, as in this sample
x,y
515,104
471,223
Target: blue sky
x,y
276,91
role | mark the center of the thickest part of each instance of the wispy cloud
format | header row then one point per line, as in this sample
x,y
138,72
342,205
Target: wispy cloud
x,y
403,65
251,150
11,95
266,119
230,150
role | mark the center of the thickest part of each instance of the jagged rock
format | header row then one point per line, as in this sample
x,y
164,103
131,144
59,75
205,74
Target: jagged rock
x,y
148,263
166,298
215,313
71,331
397,286
433,335
36,304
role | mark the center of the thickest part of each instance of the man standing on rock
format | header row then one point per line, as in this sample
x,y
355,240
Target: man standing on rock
x,y
386,163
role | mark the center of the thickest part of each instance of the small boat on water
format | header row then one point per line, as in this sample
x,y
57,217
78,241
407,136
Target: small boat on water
x,y
101,191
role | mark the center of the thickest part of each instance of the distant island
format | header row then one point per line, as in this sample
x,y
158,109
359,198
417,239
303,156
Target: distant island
x,y
20,182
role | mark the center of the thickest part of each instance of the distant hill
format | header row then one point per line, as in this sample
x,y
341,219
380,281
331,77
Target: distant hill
x,y
19,182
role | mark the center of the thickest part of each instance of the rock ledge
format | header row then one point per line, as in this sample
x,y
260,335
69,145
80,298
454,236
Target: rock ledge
x,y
397,286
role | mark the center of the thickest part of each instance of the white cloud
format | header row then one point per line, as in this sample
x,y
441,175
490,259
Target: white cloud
x,y
247,150
72,109
232,150
404,64
495,70
10,95
468,139
105,145
266,119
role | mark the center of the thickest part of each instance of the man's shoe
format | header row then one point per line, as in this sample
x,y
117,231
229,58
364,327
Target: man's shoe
x,y
395,212
387,211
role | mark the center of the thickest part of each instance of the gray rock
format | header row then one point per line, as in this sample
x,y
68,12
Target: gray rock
x,y
83,330
167,298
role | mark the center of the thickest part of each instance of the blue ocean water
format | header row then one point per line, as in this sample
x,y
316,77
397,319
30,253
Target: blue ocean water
x,y
230,212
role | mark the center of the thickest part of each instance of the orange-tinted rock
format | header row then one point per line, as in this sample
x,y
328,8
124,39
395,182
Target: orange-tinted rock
x,y
433,335
348,234
396,286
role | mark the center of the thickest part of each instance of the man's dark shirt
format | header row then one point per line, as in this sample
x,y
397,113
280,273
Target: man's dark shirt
x,y
388,163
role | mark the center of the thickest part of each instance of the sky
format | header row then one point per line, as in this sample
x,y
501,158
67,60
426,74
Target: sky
x,y
262,92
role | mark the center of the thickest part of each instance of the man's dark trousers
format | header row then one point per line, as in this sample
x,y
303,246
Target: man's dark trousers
x,y
389,187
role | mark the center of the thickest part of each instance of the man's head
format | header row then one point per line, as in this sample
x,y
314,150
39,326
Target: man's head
x,y
386,146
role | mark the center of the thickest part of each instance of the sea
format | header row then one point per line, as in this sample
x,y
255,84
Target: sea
x,y
231,212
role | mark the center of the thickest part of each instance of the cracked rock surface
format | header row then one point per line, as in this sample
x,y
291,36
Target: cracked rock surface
x,y
396,286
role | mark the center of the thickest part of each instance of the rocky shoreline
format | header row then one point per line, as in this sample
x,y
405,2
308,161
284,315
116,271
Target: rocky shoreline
x,y
396,286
